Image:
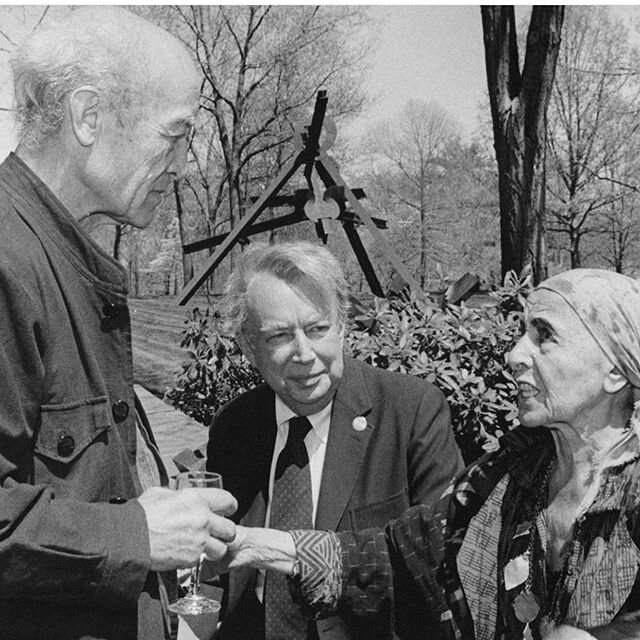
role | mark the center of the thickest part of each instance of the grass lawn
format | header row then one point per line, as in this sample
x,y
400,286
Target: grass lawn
x,y
156,324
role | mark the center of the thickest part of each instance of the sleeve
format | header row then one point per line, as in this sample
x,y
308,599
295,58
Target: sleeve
x,y
51,549
433,457
370,571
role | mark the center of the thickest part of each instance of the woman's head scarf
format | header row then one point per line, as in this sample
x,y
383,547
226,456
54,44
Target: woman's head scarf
x,y
608,304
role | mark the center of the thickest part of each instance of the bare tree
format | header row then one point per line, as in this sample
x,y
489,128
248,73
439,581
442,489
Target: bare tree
x,y
262,67
434,189
592,121
411,166
519,101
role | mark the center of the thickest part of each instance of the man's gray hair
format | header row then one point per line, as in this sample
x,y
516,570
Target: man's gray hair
x,y
304,266
97,46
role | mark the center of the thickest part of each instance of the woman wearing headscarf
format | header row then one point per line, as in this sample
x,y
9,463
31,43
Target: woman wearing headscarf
x,y
538,539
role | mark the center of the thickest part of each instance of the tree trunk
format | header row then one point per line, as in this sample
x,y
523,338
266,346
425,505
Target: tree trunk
x,y
134,272
574,248
187,260
423,242
519,104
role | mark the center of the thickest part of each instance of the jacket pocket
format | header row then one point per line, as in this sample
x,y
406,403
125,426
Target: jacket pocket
x,y
377,514
66,430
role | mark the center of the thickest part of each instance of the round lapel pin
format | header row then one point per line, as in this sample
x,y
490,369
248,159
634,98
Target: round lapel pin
x,y
359,423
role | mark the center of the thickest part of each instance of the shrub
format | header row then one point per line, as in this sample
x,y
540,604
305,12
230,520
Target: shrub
x,y
460,349
214,372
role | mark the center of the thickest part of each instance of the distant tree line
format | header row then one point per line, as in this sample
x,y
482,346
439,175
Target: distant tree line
x,y
439,190
550,176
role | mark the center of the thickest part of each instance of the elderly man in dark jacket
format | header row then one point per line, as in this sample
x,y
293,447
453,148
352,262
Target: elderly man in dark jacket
x,y
105,102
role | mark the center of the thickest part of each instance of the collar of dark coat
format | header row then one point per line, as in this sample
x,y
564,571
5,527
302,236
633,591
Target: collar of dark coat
x,y
39,207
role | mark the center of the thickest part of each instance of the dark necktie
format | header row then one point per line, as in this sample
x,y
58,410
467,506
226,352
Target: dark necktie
x,y
291,508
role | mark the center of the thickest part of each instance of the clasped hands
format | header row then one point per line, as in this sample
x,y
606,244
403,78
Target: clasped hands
x,y
186,524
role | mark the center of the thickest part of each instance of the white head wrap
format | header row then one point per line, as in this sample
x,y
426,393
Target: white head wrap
x,y
608,304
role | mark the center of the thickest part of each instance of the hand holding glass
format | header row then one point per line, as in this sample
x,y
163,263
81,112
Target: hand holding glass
x,y
194,603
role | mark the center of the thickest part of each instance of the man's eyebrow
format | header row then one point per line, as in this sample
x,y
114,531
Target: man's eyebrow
x,y
183,124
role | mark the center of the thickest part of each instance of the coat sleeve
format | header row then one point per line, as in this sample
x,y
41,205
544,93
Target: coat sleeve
x,y
57,550
367,572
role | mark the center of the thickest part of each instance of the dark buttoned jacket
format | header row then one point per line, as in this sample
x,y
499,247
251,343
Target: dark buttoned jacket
x,y
72,563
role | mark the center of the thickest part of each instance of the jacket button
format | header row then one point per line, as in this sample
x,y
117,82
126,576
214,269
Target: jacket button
x,y
111,310
120,410
66,445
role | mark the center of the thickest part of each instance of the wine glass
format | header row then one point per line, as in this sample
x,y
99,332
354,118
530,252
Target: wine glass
x,y
194,603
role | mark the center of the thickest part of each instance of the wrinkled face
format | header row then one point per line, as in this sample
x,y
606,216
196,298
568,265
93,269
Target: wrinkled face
x,y
296,346
134,163
559,367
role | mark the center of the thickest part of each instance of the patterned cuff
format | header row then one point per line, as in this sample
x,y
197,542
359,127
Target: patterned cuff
x,y
317,581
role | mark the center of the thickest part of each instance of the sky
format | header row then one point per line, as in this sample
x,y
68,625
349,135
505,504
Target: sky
x,y
428,52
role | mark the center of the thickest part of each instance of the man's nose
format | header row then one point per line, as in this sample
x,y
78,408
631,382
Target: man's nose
x,y
303,350
178,166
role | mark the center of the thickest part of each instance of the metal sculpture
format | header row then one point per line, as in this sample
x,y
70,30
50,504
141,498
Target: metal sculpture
x,y
335,201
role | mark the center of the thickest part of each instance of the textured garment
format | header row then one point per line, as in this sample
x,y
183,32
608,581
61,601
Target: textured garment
x,y
291,507
451,562
404,455
602,583
72,564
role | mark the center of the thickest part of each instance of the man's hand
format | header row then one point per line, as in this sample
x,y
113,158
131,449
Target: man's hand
x,y
187,523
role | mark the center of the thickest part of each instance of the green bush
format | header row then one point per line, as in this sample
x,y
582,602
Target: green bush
x,y
460,349
214,372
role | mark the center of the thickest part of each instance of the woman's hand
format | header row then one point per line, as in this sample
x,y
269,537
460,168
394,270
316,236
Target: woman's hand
x,y
258,548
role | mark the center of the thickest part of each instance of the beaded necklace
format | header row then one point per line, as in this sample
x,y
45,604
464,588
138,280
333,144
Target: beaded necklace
x,y
527,605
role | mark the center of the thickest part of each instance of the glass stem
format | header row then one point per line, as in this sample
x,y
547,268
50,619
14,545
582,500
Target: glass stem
x,y
194,587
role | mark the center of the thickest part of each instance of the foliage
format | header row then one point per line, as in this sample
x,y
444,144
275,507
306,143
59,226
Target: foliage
x,y
460,349
215,370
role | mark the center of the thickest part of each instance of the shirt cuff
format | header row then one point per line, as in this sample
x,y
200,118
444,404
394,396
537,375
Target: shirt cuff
x,y
317,581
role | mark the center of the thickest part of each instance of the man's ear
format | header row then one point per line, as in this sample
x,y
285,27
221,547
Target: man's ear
x,y
84,105
614,381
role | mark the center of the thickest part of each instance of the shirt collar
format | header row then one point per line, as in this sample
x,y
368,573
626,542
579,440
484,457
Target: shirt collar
x,y
319,421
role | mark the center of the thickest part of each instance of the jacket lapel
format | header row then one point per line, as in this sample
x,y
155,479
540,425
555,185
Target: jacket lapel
x,y
346,446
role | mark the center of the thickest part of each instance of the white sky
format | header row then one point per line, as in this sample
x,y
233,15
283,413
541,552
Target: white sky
x,y
430,52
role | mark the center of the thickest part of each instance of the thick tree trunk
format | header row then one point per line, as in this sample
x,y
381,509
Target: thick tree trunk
x,y
519,104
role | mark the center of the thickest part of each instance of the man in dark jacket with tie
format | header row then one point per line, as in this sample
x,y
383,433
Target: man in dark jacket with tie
x,y
328,441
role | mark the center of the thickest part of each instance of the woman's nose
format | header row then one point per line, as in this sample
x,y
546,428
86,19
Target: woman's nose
x,y
520,355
